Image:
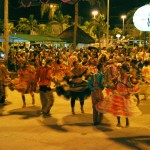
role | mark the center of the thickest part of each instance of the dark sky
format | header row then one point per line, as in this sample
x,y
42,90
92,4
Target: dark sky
x,y
117,8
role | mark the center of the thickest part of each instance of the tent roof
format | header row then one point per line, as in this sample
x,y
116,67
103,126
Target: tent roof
x,y
82,37
39,38
30,38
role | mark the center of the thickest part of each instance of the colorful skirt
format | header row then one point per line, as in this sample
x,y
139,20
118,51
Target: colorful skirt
x,y
118,105
68,90
22,86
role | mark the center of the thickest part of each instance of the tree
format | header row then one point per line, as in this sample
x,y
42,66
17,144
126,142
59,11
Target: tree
x,y
101,4
63,20
116,31
49,8
1,26
99,27
88,27
44,29
11,27
27,25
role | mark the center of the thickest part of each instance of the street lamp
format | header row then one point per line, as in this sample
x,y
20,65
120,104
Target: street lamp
x,y
123,17
94,13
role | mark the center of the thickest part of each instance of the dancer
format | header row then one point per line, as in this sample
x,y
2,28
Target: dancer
x,y
76,80
96,85
24,83
4,76
76,87
120,102
43,79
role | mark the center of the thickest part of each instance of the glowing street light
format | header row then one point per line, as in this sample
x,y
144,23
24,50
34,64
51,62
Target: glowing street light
x,y
94,13
123,17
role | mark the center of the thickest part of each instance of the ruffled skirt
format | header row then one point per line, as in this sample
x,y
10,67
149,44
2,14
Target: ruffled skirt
x,y
118,105
68,90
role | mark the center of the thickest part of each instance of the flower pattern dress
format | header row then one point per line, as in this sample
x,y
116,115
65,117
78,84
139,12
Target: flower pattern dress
x,y
120,102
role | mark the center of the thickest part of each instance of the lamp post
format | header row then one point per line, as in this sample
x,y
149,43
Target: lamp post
x,y
107,32
123,17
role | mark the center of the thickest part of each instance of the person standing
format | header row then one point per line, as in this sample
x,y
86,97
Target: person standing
x,y
96,86
4,75
43,79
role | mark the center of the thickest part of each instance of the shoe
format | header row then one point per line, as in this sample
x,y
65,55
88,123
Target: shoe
x,y
73,112
33,102
118,125
127,125
46,115
82,110
2,104
24,105
96,123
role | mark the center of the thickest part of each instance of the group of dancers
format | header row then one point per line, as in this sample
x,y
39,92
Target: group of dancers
x,y
112,82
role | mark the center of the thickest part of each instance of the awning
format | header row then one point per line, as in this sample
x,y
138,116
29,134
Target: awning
x,y
39,38
13,39
30,38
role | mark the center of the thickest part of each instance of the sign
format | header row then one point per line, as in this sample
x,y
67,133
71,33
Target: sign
x,y
141,18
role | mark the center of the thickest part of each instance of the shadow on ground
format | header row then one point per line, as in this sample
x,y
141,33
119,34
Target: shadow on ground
x,y
27,112
135,142
53,124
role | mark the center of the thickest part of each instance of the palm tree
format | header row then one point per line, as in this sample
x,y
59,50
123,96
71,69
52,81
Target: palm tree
x,y
45,29
27,25
99,27
11,27
49,8
61,19
101,4
116,31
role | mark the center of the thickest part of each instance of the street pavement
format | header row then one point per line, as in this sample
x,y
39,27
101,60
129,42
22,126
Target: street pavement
x,y
26,129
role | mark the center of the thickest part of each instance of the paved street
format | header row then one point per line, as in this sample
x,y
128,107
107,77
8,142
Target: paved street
x,y
26,129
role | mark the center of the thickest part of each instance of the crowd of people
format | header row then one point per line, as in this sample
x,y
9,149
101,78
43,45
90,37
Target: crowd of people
x,y
113,78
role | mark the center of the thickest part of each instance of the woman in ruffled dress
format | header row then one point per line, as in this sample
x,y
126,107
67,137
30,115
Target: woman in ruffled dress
x,y
120,102
60,68
24,83
78,85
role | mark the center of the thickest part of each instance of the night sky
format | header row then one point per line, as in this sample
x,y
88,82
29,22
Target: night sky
x,y
117,8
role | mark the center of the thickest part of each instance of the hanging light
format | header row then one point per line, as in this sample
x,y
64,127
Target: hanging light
x,y
44,1
25,3
70,1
